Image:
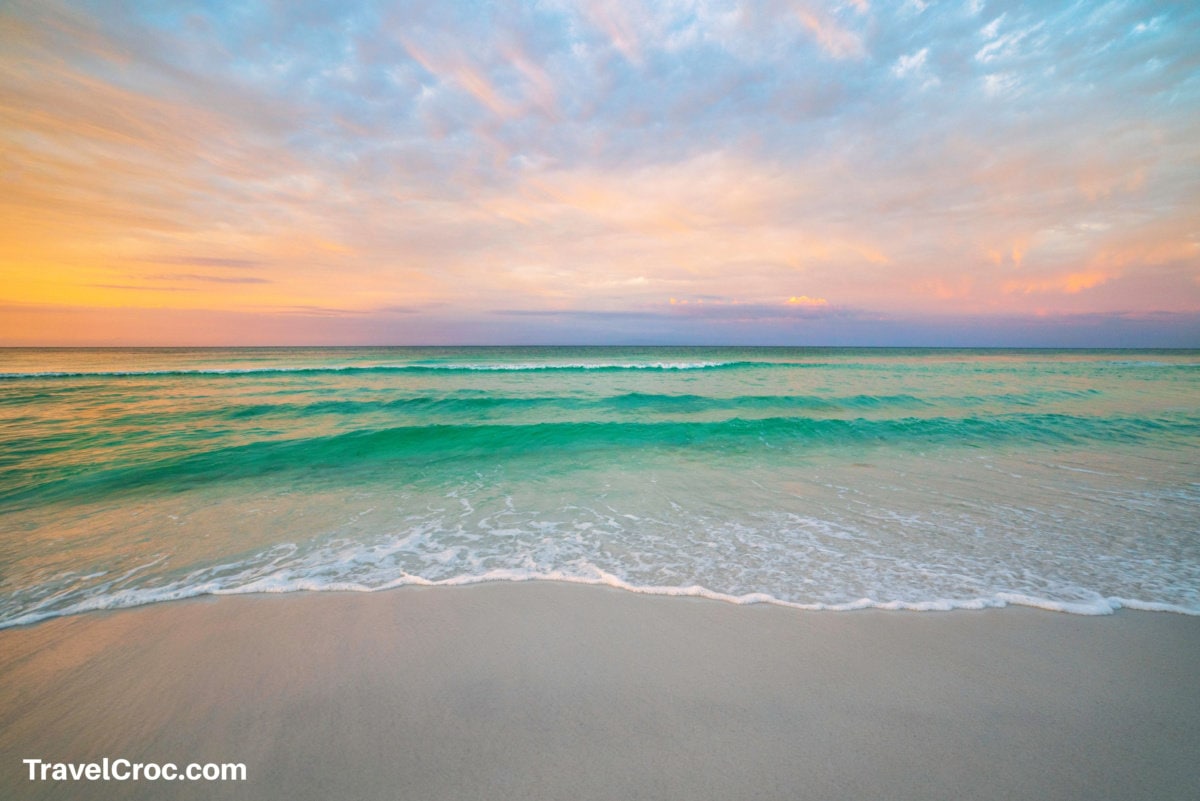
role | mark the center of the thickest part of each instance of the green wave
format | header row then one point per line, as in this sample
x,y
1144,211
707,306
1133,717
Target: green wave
x,y
413,449
632,402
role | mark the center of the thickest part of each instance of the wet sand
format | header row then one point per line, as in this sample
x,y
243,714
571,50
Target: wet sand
x,y
552,691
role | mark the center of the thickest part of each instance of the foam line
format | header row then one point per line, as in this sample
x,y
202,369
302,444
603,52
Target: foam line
x,y
279,584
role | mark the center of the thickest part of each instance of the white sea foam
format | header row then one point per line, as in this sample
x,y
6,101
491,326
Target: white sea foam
x,y
900,556
285,582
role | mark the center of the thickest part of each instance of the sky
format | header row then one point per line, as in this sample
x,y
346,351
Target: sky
x,y
600,171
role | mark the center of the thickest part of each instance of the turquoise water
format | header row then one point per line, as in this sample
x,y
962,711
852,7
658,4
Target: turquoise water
x,y
821,478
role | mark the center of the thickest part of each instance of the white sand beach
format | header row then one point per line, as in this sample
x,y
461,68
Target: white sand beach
x,y
552,691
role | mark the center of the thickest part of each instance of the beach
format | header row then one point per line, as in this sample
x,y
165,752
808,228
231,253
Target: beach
x,y
548,690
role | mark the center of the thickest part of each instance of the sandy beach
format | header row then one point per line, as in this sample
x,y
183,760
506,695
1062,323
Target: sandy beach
x,y
552,691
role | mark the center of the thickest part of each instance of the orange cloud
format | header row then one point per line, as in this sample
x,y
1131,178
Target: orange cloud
x,y
1071,283
805,300
948,288
541,91
832,38
456,68
616,21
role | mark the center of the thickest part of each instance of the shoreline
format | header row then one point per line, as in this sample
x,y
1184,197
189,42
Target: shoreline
x,y
1098,607
555,690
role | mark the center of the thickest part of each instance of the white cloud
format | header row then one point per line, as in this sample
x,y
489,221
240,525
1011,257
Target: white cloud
x,y
999,84
1004,46
1151,26
990,30
906,65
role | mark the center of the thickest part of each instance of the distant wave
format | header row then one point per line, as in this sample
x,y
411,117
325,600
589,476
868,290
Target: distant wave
x,y
472,401
1150,363
543,367
513,367
434,367
626,402
633,402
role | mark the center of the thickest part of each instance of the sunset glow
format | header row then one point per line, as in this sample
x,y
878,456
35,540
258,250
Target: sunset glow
x,y
598,171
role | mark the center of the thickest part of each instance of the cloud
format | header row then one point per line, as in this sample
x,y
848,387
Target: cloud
x,y
214,279
1071,283
206,261
910,63
1000,84
835,40
139,288
620,22
570,157
447,62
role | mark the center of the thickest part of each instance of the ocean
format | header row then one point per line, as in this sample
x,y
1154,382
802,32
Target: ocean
x,y
821,478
